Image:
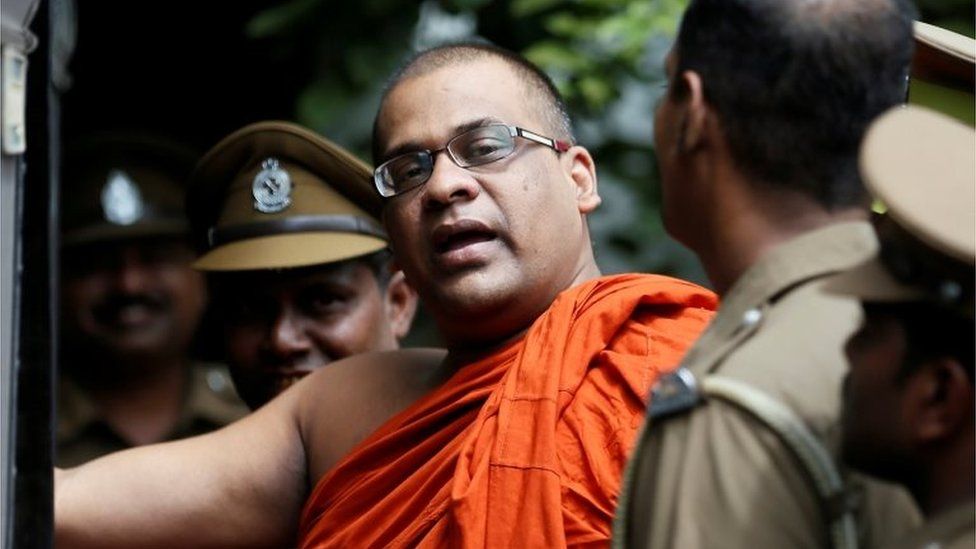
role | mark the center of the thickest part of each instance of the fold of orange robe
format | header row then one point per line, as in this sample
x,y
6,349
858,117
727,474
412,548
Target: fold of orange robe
x,y
526,447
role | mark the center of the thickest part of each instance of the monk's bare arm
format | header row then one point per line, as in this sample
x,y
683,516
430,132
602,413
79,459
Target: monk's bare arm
x,y
355,396
244,485
240,486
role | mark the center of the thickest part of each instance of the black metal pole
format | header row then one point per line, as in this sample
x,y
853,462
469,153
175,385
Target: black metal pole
x,y
36,300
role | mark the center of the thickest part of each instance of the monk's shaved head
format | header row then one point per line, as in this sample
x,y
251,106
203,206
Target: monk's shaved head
x,y
538,87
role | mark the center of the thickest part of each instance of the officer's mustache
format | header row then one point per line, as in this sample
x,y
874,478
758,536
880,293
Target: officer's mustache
x,y
110,308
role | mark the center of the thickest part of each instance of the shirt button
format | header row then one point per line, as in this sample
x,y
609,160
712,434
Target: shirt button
x,y
216,381
751,317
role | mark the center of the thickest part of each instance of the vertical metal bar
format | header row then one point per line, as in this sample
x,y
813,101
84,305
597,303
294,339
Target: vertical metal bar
x,y
10,173
35,301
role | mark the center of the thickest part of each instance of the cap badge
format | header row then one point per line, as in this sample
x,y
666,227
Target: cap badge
x,y
121,200
271,187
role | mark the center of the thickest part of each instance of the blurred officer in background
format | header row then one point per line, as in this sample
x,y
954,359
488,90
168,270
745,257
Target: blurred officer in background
x,y
299,266
909,398
130,304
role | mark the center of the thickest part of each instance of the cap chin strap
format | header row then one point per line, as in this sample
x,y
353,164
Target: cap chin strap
x,y
296,224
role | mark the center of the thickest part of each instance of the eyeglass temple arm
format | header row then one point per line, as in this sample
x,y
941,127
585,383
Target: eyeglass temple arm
x,y
560,146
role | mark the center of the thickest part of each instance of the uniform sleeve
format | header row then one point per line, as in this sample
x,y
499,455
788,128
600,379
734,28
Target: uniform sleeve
x,y
718,478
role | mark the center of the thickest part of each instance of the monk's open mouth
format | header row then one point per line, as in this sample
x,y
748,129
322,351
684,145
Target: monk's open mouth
x,y
461,240
458,235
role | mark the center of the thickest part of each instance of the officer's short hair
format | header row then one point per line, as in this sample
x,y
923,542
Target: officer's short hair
x,y
795,83
538,84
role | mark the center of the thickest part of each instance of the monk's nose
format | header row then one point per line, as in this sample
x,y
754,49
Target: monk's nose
x,y
449,183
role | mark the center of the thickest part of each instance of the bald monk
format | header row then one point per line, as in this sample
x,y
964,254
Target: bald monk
x,y
517,436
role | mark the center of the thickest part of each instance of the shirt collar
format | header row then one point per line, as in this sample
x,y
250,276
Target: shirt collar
x,y
814,254
76,411
211,397
208,399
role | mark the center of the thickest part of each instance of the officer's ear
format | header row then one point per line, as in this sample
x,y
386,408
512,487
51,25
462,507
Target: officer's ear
x,y
941,400
691,94
400,302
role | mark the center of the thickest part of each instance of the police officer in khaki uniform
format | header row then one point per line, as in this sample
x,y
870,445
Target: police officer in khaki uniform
x,y
298,263
909,398
756,140
130,304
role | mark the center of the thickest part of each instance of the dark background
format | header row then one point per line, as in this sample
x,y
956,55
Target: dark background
x,y
181,69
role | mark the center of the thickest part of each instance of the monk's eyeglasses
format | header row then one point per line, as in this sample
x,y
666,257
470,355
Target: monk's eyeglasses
x,y
476,147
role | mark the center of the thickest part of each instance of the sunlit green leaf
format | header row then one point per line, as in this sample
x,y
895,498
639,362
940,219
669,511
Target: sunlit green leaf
x,y
566,24
596,91
553,55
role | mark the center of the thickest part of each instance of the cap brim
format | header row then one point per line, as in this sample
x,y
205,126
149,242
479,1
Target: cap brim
x,y
919,163
107,232
951,43
286,251
870,281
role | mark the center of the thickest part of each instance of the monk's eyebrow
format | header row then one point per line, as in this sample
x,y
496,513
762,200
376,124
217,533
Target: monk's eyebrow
x,y
414,146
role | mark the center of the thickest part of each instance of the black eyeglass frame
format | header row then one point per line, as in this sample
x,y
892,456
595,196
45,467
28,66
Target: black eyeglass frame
x,y
428,156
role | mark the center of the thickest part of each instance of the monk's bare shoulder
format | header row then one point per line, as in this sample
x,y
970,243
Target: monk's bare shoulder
x,y
341,404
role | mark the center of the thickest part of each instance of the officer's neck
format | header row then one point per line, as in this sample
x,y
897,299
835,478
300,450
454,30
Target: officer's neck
x,y
750,220
950,479
145,409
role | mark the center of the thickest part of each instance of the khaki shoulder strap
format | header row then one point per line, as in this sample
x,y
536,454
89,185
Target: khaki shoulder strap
x,y
805,446
680,392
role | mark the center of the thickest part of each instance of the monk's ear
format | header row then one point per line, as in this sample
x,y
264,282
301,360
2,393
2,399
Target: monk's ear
x,y
401,304
694,111
582,172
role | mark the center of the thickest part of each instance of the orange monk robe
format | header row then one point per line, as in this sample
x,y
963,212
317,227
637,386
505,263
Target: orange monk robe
x,y
524,448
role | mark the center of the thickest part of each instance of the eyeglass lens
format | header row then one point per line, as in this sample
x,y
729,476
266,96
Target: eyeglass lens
x,y
471,148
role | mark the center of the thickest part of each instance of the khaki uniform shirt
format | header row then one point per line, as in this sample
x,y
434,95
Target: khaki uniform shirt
x,y
951,529
82,435
714,476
